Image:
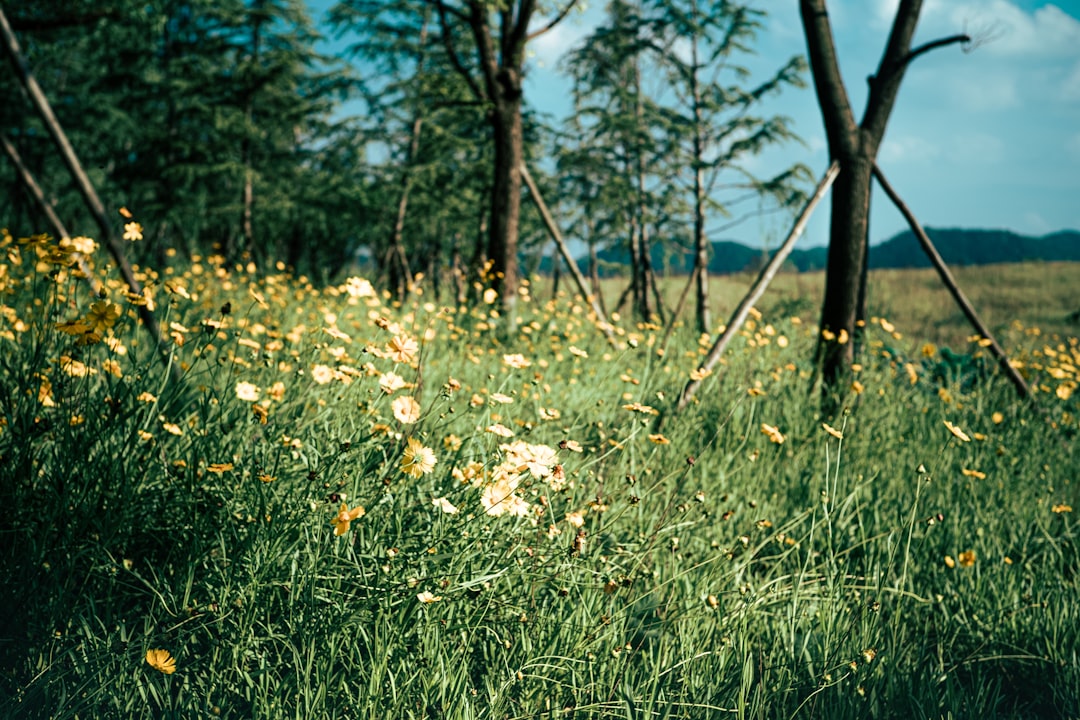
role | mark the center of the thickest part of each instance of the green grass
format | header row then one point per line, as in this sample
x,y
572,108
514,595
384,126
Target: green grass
x,y
898,572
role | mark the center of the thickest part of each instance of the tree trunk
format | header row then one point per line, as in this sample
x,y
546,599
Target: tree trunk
x,y
701,246
643,279
849,224
594,271
405,280
506,201
855,146
556,272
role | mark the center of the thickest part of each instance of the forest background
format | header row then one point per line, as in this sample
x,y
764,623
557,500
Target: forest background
x,y
284,131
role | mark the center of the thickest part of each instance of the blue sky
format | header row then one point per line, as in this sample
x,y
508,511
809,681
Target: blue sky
x,y
988,138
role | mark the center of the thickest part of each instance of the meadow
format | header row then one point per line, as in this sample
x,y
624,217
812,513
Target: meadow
x,y
347,507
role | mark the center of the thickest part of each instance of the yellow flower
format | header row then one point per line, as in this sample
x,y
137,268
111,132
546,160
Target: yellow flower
x,y
957,432
499,497
833,431
322,374
966,558
973,474
391,382
576,518
643,409
102,316
571,445
161,661
133,231
112,367
406,409
219,468
344,518
445,505
516,361
659,439
81,244
247,391
358,287
997,418
337,334
417,460
774,433
45,393
913,375
699,374
1061,508
500,430
428,597
402,349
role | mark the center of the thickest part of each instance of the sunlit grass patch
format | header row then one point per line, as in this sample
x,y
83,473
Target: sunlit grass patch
x,y
347,508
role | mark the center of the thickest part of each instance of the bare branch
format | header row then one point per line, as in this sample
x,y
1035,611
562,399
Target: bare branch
x,y
451,51
962,38
558,19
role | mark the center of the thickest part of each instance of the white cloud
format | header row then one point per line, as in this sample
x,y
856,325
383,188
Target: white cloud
x,y
908,149
550,47
1070,88
1005,29
976,148
978,91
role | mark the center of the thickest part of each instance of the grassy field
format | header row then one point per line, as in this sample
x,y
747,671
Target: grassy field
x,y
346,509
1038,295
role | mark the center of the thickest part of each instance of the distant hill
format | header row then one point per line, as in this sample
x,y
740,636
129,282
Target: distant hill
x,y
958,246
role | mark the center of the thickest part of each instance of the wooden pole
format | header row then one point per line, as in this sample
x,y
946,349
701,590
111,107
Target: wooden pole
x,y
947,278
575,271
86,188
764,278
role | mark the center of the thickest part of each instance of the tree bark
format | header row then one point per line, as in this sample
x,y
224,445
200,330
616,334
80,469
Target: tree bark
x,y
701,246
506,201
643,279
401,275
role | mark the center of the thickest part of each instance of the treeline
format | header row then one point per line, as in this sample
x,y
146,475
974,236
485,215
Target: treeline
x,y
226,130
957,246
